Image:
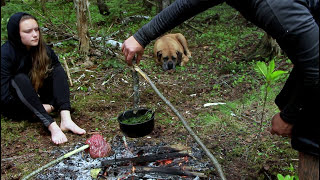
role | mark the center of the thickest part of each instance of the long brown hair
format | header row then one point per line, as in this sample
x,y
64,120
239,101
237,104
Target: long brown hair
x,y
40,60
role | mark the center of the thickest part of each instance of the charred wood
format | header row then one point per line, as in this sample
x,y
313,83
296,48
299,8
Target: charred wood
x,y
143,159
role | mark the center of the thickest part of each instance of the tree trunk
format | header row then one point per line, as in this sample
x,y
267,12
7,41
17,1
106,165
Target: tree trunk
x,y
147,4
159,6
165,3
267,48
82,27
103,8
43,7
3,3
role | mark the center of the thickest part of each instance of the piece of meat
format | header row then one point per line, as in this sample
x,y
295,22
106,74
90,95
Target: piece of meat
x,y
98,147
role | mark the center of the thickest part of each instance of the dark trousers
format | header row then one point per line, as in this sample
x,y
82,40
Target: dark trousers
x,y
28,102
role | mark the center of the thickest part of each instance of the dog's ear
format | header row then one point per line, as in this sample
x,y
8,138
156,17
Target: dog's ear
x,y
179,57
159,55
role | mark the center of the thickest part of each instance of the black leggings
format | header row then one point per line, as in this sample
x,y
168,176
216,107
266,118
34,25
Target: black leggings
x,y
27,102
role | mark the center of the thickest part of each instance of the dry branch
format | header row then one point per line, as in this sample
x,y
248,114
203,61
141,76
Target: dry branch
x,y
68,72
185,124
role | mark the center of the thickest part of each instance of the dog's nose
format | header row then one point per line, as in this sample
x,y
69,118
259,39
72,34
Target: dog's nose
x,y
170,65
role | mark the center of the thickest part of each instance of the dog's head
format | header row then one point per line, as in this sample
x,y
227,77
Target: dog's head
x,y
168,60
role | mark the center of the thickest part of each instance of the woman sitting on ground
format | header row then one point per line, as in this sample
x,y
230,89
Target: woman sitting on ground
x,y
33,82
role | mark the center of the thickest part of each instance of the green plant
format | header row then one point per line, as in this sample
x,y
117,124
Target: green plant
x,y
290,176
114,63
270,77
287,177
139,119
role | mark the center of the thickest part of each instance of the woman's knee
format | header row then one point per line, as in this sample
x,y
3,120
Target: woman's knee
x,y
23,87
59,73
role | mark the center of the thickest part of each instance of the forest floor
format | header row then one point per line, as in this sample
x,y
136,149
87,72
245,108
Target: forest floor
x,y
215,74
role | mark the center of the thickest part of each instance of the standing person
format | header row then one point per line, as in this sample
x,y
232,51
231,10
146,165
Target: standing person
x,y
295,26
33,82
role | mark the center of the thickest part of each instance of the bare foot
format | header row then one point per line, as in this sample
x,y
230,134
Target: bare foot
x,y
68,125
57,136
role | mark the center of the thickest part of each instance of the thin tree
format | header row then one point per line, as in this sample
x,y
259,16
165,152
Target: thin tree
x,y
267,48
3,3
43,7
147,4
161,4
165,3
82,12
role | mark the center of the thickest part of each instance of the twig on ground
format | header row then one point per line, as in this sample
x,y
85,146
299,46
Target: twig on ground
x,y
17,157
67,69
105,82
193,27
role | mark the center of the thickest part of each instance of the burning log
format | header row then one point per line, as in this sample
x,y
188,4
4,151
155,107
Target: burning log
x,y
143,159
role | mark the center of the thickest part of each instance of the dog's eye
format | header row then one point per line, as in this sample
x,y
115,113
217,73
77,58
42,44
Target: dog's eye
x,y
173,58
165,59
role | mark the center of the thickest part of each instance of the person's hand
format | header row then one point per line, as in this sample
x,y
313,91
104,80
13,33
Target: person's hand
x,y
129,48
280,127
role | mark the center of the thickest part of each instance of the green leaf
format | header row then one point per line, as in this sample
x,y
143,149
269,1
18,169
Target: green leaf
x,y
94,173
288,177
271,67
280,177
275,75
269,88
261,68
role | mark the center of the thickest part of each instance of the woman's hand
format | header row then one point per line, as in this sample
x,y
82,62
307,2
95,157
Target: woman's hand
x,y
129,48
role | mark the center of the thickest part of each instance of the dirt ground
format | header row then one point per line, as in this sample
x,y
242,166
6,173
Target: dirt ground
x,y
100,93
234,141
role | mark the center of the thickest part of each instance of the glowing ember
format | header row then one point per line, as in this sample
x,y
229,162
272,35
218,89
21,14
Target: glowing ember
x,y
186,159
165,162
133,169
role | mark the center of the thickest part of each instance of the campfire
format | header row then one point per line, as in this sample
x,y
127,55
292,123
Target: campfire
x,y
131,161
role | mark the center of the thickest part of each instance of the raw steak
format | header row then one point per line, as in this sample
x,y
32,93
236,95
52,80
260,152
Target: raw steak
x,y
98,147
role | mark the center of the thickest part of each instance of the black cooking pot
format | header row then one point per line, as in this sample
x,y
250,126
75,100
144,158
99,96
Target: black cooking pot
x,y
140,129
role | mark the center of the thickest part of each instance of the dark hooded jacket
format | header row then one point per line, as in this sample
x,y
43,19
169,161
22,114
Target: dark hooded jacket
x,y
15,59
293,23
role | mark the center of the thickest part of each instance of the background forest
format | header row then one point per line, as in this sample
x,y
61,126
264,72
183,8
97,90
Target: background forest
x,y
225,49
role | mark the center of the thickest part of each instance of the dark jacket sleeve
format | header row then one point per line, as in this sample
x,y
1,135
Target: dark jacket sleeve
x,y
284,96
294,27
170,17
303,85
7,57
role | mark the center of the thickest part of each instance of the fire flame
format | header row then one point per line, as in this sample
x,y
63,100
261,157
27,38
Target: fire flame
x,y
186,159
165,162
